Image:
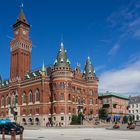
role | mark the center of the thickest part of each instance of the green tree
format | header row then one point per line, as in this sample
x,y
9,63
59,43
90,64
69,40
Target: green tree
x,y
103,113
77,119
74,119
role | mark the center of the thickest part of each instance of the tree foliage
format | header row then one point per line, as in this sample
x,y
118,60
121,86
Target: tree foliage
x,y
103,113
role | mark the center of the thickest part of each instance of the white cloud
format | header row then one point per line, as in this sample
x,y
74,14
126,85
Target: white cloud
x,y
125,80
126,23
114,49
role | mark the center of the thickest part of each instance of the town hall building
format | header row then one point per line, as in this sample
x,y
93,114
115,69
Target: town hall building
x,y
49,94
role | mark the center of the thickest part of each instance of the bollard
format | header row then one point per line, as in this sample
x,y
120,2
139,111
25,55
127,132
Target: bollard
x,y
13,135
3,134
21,134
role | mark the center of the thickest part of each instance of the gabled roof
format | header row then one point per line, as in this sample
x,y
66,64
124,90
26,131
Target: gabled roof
x,y
33,74
37,73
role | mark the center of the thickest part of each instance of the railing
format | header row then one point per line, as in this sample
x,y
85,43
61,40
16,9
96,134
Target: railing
x,y
13,135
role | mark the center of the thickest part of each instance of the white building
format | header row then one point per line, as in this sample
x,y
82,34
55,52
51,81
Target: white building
x,y
134,107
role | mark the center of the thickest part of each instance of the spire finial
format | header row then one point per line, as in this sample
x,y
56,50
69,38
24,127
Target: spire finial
x,y
62,44
43,67
21,5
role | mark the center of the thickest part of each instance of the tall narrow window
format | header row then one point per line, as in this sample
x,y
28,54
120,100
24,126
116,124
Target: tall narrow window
x,y
62,96
37,95
8,100
69,97
24,97
91,101
13,100
30,97
16,99
62,85
62,110
2,101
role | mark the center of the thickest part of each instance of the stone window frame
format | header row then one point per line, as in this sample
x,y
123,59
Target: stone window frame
x,y
62,118
62,110
8,100
91,101
30,96
24,98
62,97
62,85
37,95
2,101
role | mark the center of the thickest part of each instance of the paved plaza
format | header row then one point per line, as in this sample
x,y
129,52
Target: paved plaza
x,y
80,134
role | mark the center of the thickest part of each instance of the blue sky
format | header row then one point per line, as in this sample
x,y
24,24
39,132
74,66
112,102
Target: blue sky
x,y
106,30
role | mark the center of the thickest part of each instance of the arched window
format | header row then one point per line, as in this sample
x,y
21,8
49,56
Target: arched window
x,y
24,97
30,96
8,100
73,99
62,85
37,95
13,99
2,101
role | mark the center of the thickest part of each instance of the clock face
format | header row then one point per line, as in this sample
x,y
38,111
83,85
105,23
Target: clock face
x,y
24,32
16,32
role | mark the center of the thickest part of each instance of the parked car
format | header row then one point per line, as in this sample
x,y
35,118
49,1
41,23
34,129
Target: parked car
x,y
9,127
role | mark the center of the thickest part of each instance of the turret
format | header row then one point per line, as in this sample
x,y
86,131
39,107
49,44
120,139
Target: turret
x,y
89,72
61,59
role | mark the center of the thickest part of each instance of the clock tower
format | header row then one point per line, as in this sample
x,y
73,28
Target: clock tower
x,y
20,47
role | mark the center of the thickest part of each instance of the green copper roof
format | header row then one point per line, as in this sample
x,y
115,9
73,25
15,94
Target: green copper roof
x,y
61,59
89,70
113,94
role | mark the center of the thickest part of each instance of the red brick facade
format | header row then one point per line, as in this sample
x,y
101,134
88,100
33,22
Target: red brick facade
x,y
49,94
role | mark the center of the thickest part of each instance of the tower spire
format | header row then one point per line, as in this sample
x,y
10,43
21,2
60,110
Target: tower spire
x,y
22,17
89,70
61,59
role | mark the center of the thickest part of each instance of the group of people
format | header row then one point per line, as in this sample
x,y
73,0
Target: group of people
x,y
130,125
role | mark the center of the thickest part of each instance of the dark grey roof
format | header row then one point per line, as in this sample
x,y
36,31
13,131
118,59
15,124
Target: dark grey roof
x,y
89,70
134,100
5,83
61,59
37,73
33,74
